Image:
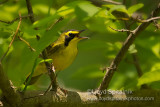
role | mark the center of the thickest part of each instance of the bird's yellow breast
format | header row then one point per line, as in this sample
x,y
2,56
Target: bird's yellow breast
x,y
64,56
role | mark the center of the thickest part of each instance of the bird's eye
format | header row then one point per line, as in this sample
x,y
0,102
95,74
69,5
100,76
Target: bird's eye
x,y
71,35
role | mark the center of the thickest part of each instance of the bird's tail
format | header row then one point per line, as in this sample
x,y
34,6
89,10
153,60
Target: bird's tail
x,y
39,71
33,79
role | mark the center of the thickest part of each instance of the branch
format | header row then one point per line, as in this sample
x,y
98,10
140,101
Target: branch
x,y
30,11
27,43
142,97
148,20
130,39
10,96
138,68
155,22
18,18
57,21
124,98
112,2
102,2
122,30
12,38
136,63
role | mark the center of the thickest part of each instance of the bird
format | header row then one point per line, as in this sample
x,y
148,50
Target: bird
x,y
63,52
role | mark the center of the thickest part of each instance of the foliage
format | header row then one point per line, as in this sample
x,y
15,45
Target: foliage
x,y
95,53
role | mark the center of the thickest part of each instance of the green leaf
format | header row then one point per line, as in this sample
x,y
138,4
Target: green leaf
x,y
45,21
134,8
118,11
85,10
156,49
152,76
132,49
5,34
62,12
155,67
46,60
68,8
149,77
121,8
97,24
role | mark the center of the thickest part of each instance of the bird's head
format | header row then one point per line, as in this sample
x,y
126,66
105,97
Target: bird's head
x,y
71,36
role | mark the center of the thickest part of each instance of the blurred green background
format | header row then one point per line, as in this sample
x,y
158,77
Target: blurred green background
x,y
94,54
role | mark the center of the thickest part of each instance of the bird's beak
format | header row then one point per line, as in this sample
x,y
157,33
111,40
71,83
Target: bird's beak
x,y
80,38
82,31
83,38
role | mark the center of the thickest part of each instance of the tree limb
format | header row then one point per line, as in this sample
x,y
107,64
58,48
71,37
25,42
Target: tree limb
x,y
130,39
10,96
111,98
52,98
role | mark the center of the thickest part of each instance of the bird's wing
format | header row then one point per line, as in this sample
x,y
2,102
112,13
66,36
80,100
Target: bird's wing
x,y
54,47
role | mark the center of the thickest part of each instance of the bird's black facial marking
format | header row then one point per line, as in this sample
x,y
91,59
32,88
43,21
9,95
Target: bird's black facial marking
x,y
67,40
69,37
72,35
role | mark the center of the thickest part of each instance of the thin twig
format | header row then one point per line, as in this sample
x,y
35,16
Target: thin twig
x,y
12,38
30,11
128,42
155,22
10,22
27,43
122,30
138,68
113,2
50,27
148,20
136,63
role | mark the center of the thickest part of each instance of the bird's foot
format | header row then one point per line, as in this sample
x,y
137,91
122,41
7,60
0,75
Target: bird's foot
x,y
65,92
51,68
